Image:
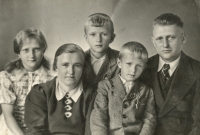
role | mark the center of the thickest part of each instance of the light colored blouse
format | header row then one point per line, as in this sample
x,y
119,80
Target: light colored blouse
x,y
15,86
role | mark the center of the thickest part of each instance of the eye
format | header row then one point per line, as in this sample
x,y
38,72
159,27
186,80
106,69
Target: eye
x,y
92,34
140,66
129,64
25,50
78,65
37,49
65,65
105,34
171,38
159,39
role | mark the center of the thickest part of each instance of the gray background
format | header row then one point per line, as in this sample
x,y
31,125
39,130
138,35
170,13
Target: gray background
x,y
62,21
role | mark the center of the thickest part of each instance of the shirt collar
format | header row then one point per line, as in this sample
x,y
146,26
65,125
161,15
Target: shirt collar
x,y
94,59
74,94
21,72
172,64
122,79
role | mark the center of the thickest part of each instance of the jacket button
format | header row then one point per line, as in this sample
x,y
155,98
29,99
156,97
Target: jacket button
x,y
124,116
124,125
178,121
125,105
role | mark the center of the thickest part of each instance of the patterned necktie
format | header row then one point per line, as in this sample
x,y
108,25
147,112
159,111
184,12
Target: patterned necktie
x,y
165,73
68,105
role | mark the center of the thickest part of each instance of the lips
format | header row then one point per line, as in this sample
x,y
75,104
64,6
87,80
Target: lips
x,y
166,51
99,45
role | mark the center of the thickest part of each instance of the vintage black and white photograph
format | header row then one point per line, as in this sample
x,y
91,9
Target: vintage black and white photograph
x,y
100,67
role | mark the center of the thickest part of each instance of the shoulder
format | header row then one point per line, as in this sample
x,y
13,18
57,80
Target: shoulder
x,y
153,58
107,84
145,88
5,74
195,64
44,88
7,78
113,53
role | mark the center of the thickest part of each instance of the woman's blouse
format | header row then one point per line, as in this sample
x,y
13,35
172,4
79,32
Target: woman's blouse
x,y
15,86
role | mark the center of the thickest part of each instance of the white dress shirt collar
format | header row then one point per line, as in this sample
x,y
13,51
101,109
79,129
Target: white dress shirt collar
x,y
173,65
94,59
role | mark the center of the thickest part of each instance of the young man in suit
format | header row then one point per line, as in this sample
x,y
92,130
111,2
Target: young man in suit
x,y
174,77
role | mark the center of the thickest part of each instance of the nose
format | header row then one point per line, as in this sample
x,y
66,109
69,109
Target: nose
x,y
165,43
99,38
71,70
133,69
31,53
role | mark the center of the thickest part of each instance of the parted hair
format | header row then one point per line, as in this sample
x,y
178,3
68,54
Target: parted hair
x,y
67,48
99,20
22,37
136,48
168,19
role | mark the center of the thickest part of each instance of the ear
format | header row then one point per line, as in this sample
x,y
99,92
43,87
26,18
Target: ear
x,y
19,55
112,38
184,38
152,39
85,36
119,63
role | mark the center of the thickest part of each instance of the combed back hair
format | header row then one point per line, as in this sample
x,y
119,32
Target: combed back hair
x,y
99,20
136,48
168,19
67,48
23,37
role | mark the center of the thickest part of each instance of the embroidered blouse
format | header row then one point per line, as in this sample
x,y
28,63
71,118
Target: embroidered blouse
x,y
15,86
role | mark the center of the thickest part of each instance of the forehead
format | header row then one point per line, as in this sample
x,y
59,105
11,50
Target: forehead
x,y
106,27
132,57
30,43
71,58
160,30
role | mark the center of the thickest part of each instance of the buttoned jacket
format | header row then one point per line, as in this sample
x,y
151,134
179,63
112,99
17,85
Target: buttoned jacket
x,y
179,113
116,113
108,69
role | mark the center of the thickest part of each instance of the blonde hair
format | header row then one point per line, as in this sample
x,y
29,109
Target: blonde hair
x,y
99,20
135,47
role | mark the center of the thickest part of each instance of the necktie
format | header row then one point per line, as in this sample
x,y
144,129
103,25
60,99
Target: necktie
x,y
128,86
165,73
68,105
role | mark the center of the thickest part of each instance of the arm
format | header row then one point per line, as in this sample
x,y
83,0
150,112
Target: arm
x,y
99,117
10,120
195,130
36,112
149,118
7,100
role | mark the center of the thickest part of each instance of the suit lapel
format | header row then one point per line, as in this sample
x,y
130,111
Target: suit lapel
x,y
181,84
118,88
156,87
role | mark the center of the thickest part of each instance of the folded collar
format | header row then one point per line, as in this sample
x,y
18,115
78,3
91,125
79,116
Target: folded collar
x,y
21,72
74,94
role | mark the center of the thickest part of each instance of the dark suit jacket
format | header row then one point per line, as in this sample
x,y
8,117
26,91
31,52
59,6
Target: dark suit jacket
x,y
179,114
108,69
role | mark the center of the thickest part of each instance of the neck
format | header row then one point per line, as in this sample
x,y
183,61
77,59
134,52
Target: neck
x,y
98,55
65,87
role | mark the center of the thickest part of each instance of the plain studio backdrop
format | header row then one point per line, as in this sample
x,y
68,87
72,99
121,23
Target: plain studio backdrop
x,y
62,21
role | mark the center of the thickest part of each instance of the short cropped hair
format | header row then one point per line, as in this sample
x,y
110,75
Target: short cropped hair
x,y
99,20
28,34
136,48
67,48
168,19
